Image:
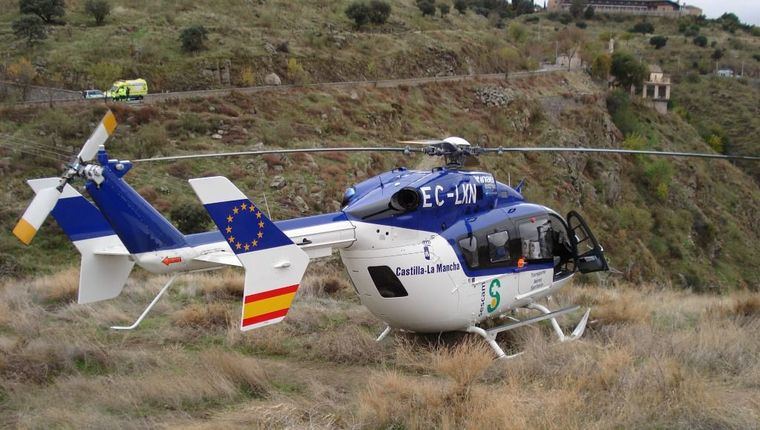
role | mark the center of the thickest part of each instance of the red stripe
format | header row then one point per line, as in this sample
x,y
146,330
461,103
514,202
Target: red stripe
x,y
271,293
265,317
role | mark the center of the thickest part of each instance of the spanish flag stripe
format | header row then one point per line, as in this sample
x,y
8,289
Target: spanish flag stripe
x,y
265,306
264,317
271,293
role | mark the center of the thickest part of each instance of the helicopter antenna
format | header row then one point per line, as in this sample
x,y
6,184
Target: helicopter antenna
x,y
269,214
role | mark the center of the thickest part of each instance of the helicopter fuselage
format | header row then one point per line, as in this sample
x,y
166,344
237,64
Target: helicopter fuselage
x,y
467,248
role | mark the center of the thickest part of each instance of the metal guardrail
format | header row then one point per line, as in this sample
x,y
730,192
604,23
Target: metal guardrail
x,y
221,92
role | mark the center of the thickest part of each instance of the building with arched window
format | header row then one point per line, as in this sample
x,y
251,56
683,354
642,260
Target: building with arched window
x,y
635,7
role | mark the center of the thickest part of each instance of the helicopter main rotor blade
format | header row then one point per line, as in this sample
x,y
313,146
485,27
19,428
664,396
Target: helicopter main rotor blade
x,y
623,151
406,150
421,142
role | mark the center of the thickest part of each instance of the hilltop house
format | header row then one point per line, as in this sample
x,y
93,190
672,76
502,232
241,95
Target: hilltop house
x,y
656,89
635,7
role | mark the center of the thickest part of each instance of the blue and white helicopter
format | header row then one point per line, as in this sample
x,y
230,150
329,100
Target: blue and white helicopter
x,y
427,251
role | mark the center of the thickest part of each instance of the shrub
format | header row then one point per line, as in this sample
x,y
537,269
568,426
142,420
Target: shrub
x,y
379,11
601,66
23,72
692,78
104,73
522,7
47,10
358,11
427,7
700,41
658,41
444,8
190,218
517,32
627,69
717,54
149,140
589,12
658,174
577,7
619,107
581,24
98,9
192,38
29,27
460,6
643,27
296,71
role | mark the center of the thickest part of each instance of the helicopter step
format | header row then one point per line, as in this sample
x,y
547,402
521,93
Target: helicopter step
x,y
490,334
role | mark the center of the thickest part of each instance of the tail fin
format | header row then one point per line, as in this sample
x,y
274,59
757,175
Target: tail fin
x,y
273,264
105,263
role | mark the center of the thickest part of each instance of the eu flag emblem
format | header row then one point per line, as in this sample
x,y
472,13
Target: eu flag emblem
x,y
245,227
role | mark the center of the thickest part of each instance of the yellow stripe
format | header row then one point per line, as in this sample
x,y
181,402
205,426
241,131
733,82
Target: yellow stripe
x,y
265,306
109,122
24,231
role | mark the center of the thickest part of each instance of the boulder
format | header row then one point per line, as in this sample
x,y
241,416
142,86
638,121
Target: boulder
x,y
300,203
272,79
278,182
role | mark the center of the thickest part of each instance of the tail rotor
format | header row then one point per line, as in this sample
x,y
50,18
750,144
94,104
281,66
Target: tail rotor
x,y
45,200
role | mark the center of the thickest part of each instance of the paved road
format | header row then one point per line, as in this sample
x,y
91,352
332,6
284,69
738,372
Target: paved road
x,y
223,92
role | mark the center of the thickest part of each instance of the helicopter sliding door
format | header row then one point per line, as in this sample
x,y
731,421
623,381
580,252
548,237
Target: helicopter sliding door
x,y
589,255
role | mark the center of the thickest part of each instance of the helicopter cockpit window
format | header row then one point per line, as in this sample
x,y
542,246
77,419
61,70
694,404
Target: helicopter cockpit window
x,y
498,248
536,238
469,246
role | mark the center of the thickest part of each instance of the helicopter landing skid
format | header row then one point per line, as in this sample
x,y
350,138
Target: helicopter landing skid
x,y
490,334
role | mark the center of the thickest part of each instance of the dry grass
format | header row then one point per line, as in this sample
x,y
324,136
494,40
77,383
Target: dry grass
x,y
61,287
650,358
202,316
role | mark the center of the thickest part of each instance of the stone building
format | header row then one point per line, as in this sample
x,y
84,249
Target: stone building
x,y
656,89
635,7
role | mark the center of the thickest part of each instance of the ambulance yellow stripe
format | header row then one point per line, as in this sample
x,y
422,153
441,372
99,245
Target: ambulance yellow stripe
x,y
109,122
266,306
24,231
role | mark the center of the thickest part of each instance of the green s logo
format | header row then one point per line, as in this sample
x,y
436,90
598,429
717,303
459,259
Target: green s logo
x,y
495,297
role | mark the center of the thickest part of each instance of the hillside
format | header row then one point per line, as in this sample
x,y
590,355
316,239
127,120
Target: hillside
x,y
672,338
690,222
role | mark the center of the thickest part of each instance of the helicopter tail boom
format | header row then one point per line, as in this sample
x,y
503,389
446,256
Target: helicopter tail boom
x,y
273,264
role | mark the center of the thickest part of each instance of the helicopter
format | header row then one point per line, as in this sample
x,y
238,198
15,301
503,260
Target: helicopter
x,y
427,251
